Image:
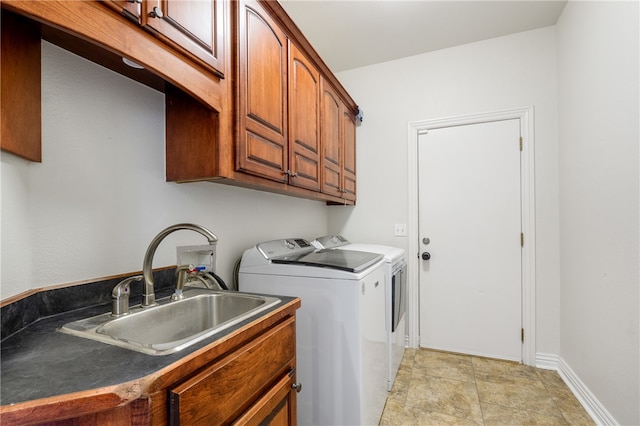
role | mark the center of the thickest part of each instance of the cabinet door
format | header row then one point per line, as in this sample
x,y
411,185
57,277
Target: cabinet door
x,y
304,119
330,137
196,26
349,157
226,389
262,85
276,408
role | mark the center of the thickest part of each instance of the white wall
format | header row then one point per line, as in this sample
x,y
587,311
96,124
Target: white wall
x,y
598,73
98,198
498,74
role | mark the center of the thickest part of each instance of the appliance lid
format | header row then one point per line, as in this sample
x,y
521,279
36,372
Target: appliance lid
x,y
346,260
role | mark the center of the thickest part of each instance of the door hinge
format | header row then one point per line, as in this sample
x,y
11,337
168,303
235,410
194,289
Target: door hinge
x,y
522,335
521,239
520,143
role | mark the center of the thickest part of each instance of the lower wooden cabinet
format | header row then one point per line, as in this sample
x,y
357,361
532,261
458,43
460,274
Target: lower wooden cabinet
x,y
252,385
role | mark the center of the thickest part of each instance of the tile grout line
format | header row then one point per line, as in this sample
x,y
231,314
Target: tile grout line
x,y
475,383
553,398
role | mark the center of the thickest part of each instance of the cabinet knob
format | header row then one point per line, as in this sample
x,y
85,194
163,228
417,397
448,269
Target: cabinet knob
x,y
156,13
297,387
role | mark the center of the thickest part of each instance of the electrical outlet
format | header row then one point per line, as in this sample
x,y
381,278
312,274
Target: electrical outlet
x,y
400,230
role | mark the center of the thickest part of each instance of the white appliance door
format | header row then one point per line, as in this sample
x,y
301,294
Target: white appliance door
x,y
469,208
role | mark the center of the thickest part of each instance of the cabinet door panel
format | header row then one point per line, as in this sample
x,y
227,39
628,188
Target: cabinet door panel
x,y
349,159
304,119
195,25
262,89
227,388
276,408
262,154
330,136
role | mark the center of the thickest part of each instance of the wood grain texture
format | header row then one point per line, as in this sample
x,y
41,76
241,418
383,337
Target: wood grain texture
x,y
192,133
262,147
220,392
349,157
304,121
331,141
97,24
275,408
198,28
21,128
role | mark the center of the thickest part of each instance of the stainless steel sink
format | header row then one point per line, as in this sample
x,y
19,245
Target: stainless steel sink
x,y
172,325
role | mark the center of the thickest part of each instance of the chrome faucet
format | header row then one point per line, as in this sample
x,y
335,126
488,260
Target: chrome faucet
x,y
148,293
120,296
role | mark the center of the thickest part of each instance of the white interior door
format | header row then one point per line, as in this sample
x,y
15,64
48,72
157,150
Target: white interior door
x,y
469,209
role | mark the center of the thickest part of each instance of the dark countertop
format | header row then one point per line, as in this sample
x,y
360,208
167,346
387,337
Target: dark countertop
x,y
39,362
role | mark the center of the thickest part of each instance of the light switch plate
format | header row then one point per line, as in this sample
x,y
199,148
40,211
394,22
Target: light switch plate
x,y
400,230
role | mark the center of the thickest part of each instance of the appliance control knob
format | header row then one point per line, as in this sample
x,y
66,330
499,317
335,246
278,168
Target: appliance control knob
x,y
426,255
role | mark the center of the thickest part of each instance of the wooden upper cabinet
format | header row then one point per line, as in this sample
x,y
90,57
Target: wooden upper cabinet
x,y
331,141
304,121
262,90
21,127
195,27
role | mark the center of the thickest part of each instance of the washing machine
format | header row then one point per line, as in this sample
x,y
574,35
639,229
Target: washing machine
x,y
340,327
395,289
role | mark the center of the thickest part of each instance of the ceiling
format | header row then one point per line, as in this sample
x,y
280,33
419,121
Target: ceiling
x,y
354,33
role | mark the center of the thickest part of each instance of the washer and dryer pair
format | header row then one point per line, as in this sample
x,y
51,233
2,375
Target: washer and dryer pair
x,y
395,266
345,359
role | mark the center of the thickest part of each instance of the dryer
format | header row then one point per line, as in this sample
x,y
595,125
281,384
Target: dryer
x,y
340,328
395,289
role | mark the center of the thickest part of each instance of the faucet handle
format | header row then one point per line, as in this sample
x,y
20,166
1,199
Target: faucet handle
x,y
120,296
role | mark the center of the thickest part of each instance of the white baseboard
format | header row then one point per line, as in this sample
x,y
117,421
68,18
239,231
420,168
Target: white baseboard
x,y
594,408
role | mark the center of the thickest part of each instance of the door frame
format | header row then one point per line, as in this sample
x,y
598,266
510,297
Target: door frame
x,y
527,193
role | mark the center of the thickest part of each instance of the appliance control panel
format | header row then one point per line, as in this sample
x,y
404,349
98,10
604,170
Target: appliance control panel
x,y
285,247
331,241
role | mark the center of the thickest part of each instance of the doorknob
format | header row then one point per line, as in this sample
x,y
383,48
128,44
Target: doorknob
x,y
425,255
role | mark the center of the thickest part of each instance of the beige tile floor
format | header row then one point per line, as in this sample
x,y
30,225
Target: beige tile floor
x,y
439,388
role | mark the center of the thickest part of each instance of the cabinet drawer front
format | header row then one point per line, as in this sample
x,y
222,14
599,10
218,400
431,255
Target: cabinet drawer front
x,y
228,387
274,408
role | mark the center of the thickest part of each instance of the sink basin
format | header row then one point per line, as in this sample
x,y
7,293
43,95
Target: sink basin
x,y
172,325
